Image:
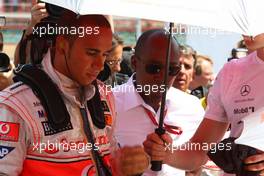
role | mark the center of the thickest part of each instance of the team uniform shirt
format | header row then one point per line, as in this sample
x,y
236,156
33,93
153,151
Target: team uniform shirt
x,y
136,119
28,144
237,92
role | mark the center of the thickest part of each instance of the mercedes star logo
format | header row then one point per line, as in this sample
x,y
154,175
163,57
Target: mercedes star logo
x,y
245,90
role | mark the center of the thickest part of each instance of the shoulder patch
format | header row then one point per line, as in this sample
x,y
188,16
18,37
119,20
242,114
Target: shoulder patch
x,y
9,131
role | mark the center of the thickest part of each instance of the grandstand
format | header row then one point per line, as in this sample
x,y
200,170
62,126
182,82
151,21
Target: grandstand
x,y
17,15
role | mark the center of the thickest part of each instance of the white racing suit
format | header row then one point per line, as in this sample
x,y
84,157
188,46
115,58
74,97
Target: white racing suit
x,y
28,146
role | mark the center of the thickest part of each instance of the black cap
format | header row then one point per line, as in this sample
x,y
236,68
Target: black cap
x,y
4,63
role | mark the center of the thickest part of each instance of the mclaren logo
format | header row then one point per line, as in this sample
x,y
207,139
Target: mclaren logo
x,y
245,90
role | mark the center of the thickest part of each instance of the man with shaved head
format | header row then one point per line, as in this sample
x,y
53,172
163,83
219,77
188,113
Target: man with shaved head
x,y
238,84
138,101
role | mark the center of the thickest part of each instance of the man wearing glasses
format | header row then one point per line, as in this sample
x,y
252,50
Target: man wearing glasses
x,y
138,101
239,84
113,61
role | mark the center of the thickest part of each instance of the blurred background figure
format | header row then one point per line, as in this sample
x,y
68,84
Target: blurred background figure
x,y
126,67
113,61
240,51
5,67
115,57
24,53
203,76
187,62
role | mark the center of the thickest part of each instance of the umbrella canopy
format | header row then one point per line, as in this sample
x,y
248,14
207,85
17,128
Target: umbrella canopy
x,y
241,16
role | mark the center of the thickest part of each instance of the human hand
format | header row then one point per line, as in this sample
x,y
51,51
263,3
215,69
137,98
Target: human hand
x,y
38,12
256,163
155,146
130,161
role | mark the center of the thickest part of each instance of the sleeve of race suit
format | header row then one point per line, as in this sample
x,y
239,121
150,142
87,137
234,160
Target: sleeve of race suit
x,y
13,145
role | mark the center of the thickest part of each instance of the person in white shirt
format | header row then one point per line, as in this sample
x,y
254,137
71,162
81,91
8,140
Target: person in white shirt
x,y
138,100
236,93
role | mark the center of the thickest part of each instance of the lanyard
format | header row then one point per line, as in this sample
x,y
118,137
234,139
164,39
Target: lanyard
x,y
170,128
102,170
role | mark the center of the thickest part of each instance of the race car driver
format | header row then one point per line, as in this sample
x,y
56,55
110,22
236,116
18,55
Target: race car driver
x,y
28,143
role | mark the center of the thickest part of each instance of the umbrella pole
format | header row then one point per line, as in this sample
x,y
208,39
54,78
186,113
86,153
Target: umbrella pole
x,y
157,165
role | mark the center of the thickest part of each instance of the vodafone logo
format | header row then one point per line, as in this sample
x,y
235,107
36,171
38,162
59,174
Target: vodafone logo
x,y
9,131
4,128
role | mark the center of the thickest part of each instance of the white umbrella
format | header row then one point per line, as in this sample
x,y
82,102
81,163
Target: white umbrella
x,y
253,131
241,16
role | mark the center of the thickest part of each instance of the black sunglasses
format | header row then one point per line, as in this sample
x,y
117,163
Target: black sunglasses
x,y
156,68
152,68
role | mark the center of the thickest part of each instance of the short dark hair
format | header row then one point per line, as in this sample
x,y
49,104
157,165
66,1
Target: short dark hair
x,y
116,41
70,19
199,60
